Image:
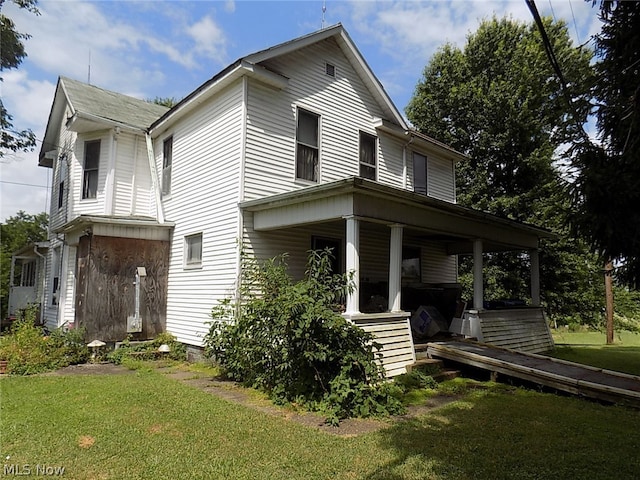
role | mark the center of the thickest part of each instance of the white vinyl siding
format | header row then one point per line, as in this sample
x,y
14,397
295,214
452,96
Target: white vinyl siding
x,y
207,147
441,177
346,108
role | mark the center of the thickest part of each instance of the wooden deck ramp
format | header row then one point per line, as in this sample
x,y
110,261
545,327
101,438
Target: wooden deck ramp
x,y
551,372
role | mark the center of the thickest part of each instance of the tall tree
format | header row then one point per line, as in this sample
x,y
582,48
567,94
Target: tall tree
x,y
15,233
498,101
12,53
607,188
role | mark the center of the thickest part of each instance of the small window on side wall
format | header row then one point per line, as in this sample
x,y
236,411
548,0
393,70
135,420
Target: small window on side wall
x,y
193,251
419,173
167,161
90,174
367,156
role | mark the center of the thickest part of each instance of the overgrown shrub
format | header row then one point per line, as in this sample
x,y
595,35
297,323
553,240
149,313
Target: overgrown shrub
x,y
149,350
28,350
288,340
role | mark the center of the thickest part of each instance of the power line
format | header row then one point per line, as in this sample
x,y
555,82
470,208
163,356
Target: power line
x,y
24,184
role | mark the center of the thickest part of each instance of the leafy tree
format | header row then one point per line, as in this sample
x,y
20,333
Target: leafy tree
x,y
607,188
289,341
168,102
11,55
15,233
498,101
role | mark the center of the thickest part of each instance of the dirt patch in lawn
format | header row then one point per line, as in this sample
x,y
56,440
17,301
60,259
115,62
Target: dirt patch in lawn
x,y
232,392
91,369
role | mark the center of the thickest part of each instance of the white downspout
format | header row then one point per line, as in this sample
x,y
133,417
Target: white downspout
x,y
133,176
404,163
111,173
154,178
243,152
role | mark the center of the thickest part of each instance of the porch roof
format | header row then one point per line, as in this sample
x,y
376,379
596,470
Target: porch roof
x,y
437,220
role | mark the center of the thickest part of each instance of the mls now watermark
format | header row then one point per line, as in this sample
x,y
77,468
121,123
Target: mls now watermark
x,y
35,470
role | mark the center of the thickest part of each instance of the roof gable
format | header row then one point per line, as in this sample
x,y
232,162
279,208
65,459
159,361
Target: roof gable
x,y
251,65
94,108
351,52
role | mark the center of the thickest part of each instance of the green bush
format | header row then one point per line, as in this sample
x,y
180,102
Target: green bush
x,y
288,340
148,350
28,350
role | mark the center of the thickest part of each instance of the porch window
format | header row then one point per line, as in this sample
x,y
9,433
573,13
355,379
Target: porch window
x,y
333,244
28,274
307,150
167,160
367,156
419,173
91,164
411,268
193,251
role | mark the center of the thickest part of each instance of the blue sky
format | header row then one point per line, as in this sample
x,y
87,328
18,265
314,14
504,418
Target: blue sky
x,y
168,48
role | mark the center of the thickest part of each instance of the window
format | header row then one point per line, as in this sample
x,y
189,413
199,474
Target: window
x,y
411,264
56,274
193,250
167,156
333,244
419,173
62,176
27,274
91,163
367,156
307,151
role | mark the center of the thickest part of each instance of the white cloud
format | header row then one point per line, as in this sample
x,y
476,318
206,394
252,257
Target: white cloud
x,y
209,38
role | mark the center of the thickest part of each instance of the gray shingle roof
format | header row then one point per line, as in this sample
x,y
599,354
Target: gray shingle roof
x,y
111,106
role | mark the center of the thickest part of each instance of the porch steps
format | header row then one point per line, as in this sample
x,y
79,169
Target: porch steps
x,y
433,367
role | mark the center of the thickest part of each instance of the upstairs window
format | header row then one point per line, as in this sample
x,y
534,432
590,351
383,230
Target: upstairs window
x,y
62,176
367,156
307,151
91,164
167,158
193,251
419,173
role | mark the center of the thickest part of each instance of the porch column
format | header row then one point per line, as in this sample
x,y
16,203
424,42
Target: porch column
x,y
478,286
395,267
534,256
353,263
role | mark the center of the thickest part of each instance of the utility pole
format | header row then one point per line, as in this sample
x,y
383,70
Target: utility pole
x,y
608,290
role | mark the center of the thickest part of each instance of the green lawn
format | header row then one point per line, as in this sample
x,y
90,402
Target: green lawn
x,y
590,348
146,425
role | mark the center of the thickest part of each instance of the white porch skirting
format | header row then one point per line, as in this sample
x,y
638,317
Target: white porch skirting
x,y
393,332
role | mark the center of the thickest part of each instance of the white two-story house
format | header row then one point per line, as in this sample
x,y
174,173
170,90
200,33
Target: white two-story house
x,y
292,148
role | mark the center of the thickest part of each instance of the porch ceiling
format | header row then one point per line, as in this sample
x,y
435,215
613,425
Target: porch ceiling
x,y
436,220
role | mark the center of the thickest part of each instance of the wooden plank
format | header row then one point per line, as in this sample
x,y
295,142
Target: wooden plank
x,y
561,375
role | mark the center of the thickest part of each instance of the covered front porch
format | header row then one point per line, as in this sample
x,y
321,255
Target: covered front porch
x,y
400,247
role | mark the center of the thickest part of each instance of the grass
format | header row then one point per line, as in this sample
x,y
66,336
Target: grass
x,y
145,425
590,348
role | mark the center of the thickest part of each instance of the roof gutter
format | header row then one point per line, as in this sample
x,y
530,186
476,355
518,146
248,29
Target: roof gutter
x,y
73,119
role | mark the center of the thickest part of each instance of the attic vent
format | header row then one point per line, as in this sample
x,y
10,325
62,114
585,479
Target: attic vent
x,y
330,69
